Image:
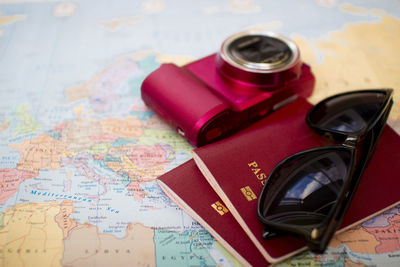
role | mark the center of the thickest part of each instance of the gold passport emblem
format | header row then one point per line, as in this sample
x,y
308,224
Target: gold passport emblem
x,y
220,208
248,193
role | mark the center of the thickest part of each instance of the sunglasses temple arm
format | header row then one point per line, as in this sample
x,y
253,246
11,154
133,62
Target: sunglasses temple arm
x,y
369,143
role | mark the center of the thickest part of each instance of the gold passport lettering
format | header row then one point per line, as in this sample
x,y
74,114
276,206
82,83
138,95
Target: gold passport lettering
x,y
220,208
258,172
248,193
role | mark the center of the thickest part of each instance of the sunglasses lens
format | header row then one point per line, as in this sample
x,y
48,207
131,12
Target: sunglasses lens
x,y
303,189
347,113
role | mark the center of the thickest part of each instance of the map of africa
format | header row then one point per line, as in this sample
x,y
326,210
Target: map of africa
x,y
80,152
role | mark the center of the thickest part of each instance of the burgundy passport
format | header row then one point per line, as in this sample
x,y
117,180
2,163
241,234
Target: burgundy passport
x,y
237,167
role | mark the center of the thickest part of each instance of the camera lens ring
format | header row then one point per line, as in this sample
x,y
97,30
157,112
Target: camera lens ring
x,y
260,52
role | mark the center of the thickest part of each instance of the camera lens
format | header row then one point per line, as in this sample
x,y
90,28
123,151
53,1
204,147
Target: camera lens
x,y
260,49
260,52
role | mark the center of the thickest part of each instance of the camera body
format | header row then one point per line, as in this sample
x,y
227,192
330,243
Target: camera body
x,y
253,74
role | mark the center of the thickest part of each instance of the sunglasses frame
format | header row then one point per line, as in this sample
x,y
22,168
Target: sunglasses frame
x,y
319,236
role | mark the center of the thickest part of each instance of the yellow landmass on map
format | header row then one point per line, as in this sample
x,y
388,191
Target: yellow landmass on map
x,y
10,19
153,6
244,6
160,58
62,218
117,23
85,246
347,7
65,9
371,57
41,152
232,259
182,60
30,236
361,55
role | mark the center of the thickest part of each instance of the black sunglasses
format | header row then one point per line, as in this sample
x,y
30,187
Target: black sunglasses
x,y
308,193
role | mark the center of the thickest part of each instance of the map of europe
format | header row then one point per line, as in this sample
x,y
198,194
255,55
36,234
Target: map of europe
x,y
80,152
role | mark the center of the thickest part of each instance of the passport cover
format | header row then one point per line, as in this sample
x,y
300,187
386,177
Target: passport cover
x,y
237,167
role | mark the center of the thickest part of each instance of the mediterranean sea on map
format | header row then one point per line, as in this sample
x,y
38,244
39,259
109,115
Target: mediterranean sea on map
x,y
80,152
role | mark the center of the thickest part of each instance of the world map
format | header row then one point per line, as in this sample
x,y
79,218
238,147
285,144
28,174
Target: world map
x,y
80,152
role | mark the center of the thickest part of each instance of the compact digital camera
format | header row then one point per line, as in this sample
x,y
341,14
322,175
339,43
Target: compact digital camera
x,y
253,74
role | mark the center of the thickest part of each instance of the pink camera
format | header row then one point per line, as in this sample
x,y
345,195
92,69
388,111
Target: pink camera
x,y
253,74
